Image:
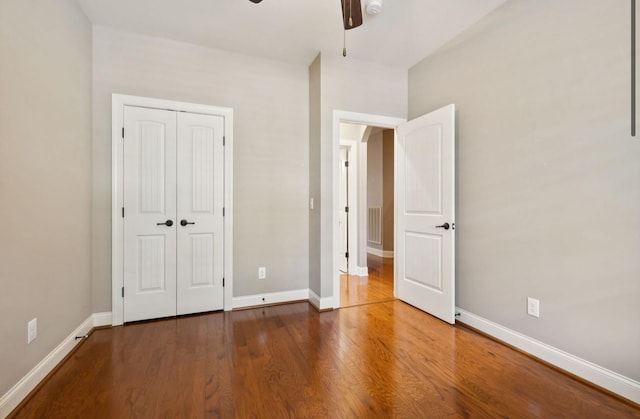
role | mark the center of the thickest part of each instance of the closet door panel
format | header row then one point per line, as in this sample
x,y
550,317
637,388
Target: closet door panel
x,y
200,202
150,213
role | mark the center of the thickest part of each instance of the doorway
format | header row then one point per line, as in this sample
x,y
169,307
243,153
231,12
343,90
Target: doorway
x,y
366,187
424,207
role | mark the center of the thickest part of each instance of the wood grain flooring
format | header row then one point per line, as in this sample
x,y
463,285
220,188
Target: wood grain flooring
x,y
375,288
376,360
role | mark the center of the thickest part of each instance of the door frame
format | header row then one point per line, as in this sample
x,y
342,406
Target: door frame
x,y
361,119
118,102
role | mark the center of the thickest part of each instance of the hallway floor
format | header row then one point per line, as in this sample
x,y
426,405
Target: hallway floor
x,y
375,288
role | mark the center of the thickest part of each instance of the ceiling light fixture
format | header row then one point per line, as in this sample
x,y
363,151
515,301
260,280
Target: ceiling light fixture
x,y
374,7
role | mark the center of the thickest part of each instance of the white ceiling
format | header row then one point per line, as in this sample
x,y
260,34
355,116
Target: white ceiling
x,y
296,30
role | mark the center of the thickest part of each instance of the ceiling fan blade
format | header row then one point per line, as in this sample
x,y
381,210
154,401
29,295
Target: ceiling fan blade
x,y
351,13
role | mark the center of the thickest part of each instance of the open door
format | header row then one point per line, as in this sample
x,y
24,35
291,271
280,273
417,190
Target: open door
x,y
425,182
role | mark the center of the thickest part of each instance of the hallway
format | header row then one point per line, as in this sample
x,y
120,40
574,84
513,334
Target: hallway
x,y
375,288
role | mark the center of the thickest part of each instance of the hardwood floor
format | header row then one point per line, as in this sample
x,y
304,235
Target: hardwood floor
x,y
377,360
377,287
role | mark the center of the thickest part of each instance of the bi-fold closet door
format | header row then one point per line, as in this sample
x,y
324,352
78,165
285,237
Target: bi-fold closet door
x,y
173,224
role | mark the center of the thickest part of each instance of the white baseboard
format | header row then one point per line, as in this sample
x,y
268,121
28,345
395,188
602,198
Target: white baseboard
x,y
102,319
18,392
380,253
320,303
270,298
610,380
359,271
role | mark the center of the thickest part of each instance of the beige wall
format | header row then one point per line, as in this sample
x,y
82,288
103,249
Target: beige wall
x,y
380,178
314,172
271,128
374,169
387,189
548,177
45,178
374,178
351,85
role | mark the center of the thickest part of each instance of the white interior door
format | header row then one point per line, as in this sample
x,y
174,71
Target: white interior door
x,y
200,220
173,225
344,203
425,181
150,204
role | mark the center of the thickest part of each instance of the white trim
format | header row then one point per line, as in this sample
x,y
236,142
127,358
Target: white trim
x,y
228,204
380,253
270,298
12,398
610,380
352,118
117,122
102,319
360,271
320,303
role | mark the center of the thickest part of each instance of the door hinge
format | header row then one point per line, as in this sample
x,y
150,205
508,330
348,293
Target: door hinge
x,y
223,211
224,140
122,292
223,282
122,132
346,255
346,209
346,163
122,212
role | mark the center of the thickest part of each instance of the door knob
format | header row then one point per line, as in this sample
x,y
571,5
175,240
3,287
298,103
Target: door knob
x,y
167,223
184,223
445,226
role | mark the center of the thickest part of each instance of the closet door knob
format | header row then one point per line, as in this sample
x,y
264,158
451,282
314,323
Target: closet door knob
x,y
167,223
445,226
184,223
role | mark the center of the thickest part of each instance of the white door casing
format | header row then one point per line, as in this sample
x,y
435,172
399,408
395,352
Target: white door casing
x,y
150,200
425,204
200,200
223,195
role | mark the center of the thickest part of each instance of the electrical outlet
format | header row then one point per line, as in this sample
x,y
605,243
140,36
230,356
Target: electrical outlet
x,y
32,330
262,272
533,307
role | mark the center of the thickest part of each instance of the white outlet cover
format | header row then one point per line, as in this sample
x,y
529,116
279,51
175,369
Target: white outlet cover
x,y
32,330
262,273
533,307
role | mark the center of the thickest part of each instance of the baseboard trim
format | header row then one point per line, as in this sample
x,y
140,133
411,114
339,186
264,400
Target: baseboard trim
x,y
360,271
22,388
269,298
321,304
602,377
381,253
102,319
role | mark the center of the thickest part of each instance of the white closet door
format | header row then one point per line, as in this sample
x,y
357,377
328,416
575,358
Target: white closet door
x,y
200,201
150,213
